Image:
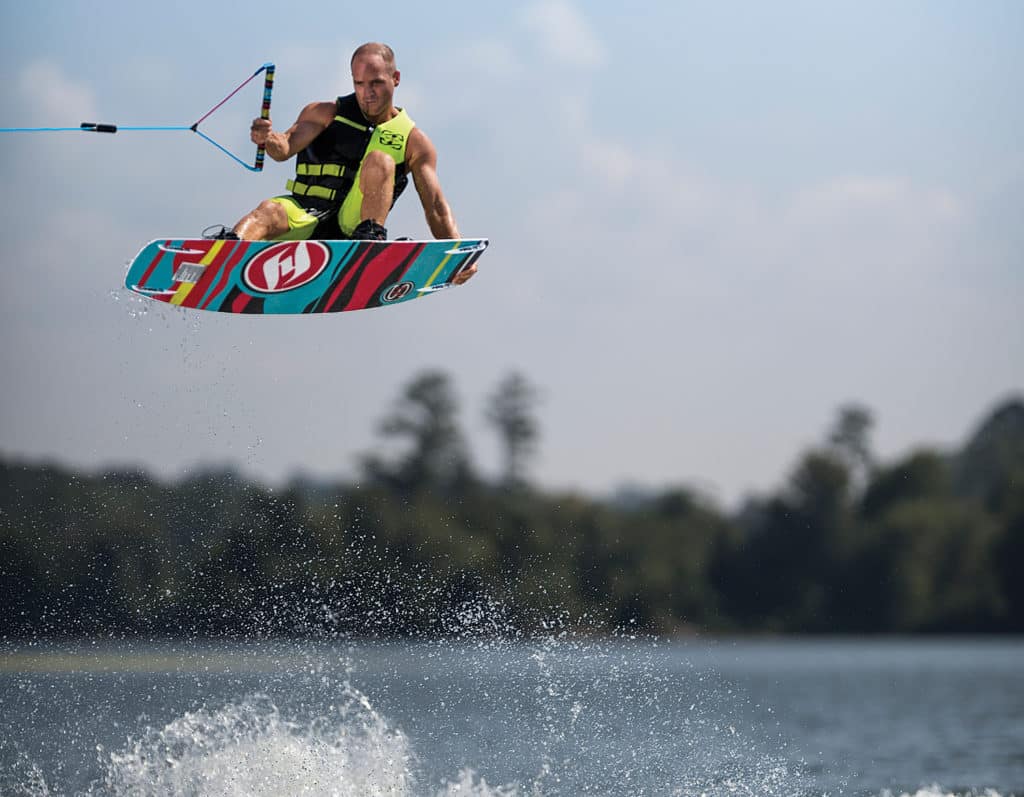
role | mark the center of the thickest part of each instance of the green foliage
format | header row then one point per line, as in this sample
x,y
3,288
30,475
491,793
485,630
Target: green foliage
x,y
991,466
925,475
850,440
930,564
436,457
425,546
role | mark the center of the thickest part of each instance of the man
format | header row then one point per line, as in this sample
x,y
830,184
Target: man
x,y
354,158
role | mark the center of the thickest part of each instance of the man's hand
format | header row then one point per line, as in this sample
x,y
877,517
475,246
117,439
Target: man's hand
x,y
464,274
313,120
262,135
259,131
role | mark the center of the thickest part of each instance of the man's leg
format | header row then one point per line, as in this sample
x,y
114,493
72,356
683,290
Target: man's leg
x,y
267,221
366,208
377,184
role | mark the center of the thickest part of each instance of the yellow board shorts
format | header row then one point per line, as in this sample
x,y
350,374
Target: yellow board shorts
x,y
301,221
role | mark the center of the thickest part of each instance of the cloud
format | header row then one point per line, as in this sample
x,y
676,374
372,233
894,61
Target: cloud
x,y
564,34
491,58
875,195
867,225
877,237
856,219
53,97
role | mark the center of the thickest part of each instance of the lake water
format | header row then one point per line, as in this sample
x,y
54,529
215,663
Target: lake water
x,y
552,715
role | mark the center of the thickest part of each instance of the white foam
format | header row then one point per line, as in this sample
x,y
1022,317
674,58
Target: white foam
x,y
470,785
248,748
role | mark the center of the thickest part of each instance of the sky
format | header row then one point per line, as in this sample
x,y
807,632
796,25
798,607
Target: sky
x,y
712,225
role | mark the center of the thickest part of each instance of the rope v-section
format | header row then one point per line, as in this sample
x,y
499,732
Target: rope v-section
x,y
97,127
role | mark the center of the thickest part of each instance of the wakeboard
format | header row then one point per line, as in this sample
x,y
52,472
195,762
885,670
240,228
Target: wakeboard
x,y
290,277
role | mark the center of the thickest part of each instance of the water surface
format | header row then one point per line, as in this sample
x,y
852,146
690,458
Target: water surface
x,y
548,715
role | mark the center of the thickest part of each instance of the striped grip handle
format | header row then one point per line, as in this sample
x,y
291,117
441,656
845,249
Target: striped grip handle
x,y
268,87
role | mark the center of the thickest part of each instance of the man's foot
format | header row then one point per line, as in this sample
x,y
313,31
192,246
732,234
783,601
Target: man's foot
x,y
218,232
369,230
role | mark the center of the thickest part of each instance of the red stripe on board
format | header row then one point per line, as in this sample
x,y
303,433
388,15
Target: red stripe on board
x,y
377,270
350,272
209,273
193,257
240,303
225,274
380,269
152,265
217,270
187,258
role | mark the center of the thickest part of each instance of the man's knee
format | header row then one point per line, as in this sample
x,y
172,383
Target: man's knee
x,y
267,220
378,167
268,207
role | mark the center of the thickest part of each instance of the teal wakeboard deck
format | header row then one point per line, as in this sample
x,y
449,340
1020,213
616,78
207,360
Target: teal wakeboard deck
x,y
286,277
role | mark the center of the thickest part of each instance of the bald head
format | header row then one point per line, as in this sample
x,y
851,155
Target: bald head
x,y
378,49
375,79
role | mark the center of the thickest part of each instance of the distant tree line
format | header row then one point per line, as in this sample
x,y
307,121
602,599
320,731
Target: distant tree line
x,y
423,545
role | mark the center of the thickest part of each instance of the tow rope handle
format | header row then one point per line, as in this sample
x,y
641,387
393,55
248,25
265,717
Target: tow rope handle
x,y
268,87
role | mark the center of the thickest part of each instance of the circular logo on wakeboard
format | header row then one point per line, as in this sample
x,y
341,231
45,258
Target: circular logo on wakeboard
x,y
286,266
396,292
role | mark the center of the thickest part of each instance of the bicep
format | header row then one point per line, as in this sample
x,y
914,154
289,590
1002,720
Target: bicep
x,y
311,122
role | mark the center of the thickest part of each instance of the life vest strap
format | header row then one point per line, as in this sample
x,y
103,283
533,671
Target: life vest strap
x,y
350,123
320,170
301,189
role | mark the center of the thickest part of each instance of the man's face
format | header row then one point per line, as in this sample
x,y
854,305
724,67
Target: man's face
x,y
374,84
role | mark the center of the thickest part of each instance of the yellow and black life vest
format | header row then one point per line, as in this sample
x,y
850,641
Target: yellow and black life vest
x,y
326,170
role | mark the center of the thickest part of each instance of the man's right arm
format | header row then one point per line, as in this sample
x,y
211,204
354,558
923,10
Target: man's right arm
x,y
313,120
